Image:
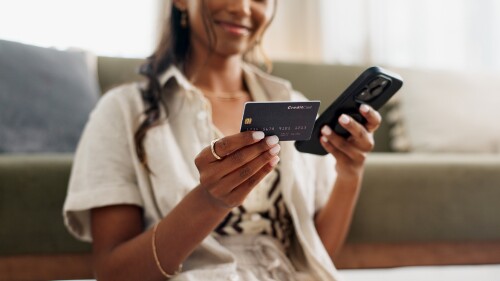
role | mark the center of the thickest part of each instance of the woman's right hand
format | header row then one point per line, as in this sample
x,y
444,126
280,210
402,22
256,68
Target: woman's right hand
x,y
246,158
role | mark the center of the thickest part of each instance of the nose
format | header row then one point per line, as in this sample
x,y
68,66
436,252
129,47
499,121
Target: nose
x,y
240,7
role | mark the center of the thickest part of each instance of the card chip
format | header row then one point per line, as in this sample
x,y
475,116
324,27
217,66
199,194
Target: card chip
x,y
248,121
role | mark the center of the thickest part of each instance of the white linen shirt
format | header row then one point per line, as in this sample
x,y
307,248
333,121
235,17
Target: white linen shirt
x,y
106,170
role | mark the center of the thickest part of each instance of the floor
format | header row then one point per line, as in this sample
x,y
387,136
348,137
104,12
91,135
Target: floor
x,y
427,273
420,273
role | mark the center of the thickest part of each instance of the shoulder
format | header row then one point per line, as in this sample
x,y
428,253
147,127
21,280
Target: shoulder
x,y
267,77
119,102
278,87
126,95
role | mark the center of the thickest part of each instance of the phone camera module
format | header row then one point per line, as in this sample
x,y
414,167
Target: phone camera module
x,y
373,89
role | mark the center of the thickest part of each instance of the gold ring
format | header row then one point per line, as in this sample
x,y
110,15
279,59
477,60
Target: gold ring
x,y
212,147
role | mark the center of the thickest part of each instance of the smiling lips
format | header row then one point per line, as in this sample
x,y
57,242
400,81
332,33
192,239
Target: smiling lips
x,y
234,28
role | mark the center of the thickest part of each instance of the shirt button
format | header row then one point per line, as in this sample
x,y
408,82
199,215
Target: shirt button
x,y
202,115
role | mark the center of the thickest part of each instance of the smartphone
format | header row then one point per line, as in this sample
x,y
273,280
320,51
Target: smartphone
x,y
375,86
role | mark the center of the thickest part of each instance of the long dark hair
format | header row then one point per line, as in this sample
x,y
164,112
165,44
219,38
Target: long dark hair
x,y
173,49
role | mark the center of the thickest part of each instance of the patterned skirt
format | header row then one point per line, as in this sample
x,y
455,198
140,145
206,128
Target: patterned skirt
x,y
262,258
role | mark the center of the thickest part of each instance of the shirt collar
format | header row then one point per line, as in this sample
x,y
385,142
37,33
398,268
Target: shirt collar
x,y
174,72
255,88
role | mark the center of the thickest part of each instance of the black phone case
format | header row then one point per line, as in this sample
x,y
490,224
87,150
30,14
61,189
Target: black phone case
x,y
375,86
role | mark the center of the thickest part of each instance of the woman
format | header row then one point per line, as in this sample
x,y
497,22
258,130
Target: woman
x,y
165,186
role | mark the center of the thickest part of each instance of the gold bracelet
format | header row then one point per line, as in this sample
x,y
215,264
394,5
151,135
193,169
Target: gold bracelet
x,y
153,240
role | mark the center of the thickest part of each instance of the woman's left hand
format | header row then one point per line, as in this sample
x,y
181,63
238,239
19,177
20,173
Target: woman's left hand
x,y
351,153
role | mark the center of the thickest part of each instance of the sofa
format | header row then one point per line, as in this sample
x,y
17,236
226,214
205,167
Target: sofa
x,y
415,208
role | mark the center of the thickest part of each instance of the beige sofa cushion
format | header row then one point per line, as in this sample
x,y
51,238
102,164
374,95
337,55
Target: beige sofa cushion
x,y
445,111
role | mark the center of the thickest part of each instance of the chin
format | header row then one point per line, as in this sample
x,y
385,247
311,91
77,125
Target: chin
x,y
231,50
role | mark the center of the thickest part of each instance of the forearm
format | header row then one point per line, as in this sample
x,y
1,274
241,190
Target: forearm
x,y
177,235
333,220
125,252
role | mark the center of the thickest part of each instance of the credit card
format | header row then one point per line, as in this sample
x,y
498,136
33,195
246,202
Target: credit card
x,y
290,121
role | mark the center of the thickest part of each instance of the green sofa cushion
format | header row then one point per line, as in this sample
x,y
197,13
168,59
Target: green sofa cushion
x,y
428,197
32,192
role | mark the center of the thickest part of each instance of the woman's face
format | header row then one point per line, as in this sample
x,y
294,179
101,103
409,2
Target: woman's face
x,y
236,24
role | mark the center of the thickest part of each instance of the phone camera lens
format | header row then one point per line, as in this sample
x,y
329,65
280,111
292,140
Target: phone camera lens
x,y
373,89
378,82
364,95
377,91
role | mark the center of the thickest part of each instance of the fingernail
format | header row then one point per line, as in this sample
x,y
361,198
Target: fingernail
x,y
364,108
344,119
326,130
274,161
275,150
272,140
258,135
324,139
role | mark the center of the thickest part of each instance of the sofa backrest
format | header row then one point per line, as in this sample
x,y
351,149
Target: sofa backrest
x,y
322,82
115,71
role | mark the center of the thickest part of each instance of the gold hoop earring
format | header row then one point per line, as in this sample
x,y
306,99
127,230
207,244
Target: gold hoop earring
x,y
184,22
